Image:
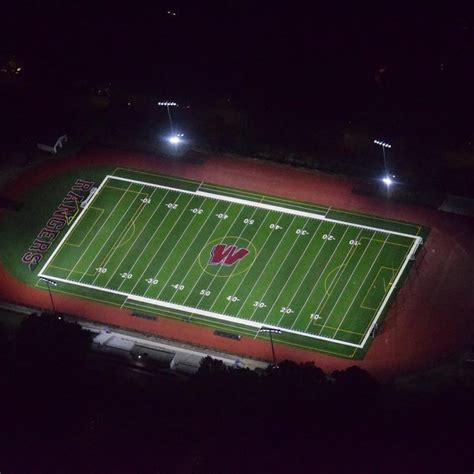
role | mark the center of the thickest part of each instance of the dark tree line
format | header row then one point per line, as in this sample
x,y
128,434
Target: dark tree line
x,y
65,411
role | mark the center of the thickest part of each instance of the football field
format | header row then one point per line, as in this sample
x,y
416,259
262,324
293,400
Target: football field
x,y
237,259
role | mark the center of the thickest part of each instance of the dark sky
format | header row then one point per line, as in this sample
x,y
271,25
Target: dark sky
x,y
326,56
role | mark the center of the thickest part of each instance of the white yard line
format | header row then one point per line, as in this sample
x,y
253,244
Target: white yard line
x,y
260,205
340,271
137,260
98,232
220,269
298,237
185,252
161,245
389,293
243,202
183,234
288,305
322,272
138,235
207,241
68,233
108,256
266,265
306,275
356,266
360,286
242,278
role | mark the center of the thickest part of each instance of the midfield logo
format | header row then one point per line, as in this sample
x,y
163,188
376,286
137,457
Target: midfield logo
x,y
222,254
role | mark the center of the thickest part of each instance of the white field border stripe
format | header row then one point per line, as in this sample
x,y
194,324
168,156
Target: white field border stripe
x,y
349,279
68,233
389,293
360,286
189,309
246,322
270,207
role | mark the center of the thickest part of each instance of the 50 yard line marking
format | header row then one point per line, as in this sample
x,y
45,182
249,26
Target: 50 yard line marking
x,y
247,204
209,239
219,270
243,276
243,279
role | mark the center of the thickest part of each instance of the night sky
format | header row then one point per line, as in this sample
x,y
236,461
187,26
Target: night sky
x,y
403,73
284,51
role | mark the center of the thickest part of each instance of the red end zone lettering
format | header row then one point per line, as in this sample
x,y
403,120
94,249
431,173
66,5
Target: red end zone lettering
x,y
69,206
222,254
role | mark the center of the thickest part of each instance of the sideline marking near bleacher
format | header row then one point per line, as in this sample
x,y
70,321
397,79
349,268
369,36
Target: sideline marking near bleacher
x,y
243,202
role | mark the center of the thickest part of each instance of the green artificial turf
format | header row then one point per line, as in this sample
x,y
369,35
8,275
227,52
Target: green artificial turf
x,y
317,278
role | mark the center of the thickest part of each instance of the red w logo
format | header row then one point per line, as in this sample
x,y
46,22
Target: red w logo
x,y
222,254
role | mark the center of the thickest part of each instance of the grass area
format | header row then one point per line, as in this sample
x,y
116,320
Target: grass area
x,y
233,260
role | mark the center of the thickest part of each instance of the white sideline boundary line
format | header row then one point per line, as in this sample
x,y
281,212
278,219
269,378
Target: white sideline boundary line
x,y
417,240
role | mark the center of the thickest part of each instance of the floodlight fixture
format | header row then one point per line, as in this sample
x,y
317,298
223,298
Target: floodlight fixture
x,y
168,104
387,180
48,284
382,144
270,332
174,139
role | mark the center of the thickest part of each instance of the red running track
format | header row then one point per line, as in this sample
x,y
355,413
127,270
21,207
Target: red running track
x,y
430,319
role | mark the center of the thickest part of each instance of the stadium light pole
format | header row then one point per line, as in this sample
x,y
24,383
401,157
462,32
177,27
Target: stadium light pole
x,y
386,179
270,332
48,283
168,104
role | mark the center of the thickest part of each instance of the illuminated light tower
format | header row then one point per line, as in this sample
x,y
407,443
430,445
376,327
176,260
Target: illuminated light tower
x,y
175,138
270,332
386,179
168,105
48,283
